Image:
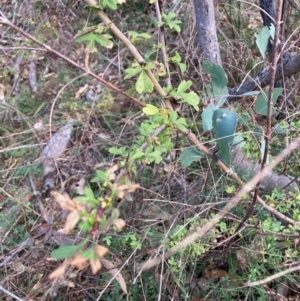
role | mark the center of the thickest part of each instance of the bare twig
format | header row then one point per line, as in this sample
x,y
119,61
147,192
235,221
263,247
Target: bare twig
x,y
268,135
20,247
163,44
275,212
273,277
10,294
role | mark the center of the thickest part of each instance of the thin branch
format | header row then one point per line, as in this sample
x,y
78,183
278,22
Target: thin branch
x,y
273,277
133,51
161,34
275,212
10,294
268,135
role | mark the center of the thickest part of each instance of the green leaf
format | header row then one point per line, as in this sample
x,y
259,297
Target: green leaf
x,y
117,151
173,116
101,175
176,59
87,37
135,36
111,4
262,40
136,69
190,155
159,24
65,251
281,128
218,95
207,115
137,155
173,24
217,73
272,31
150,110
146,129
104,40
183,86
182,67
89,192
144,84
85,226
95,37
89,253
154,156
224,125
149,66
223,226
192,99
107,240
181,124
261,103
91,46
238,140
168,17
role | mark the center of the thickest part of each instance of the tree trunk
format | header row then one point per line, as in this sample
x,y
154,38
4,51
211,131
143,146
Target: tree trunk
x,y
206,27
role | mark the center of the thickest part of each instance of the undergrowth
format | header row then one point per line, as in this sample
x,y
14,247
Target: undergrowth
x,y
130,186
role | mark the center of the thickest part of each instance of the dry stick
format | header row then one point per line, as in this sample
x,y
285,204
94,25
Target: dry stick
x,y
133,51
273,277
231,204
10,294
5,21
272,82
274,211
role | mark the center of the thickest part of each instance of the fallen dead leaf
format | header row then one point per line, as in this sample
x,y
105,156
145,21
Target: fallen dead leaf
x,y
64,201
126,188
119,223
71,222
60,271
115,273
79,261
81,91
111,172
95,265
100,251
